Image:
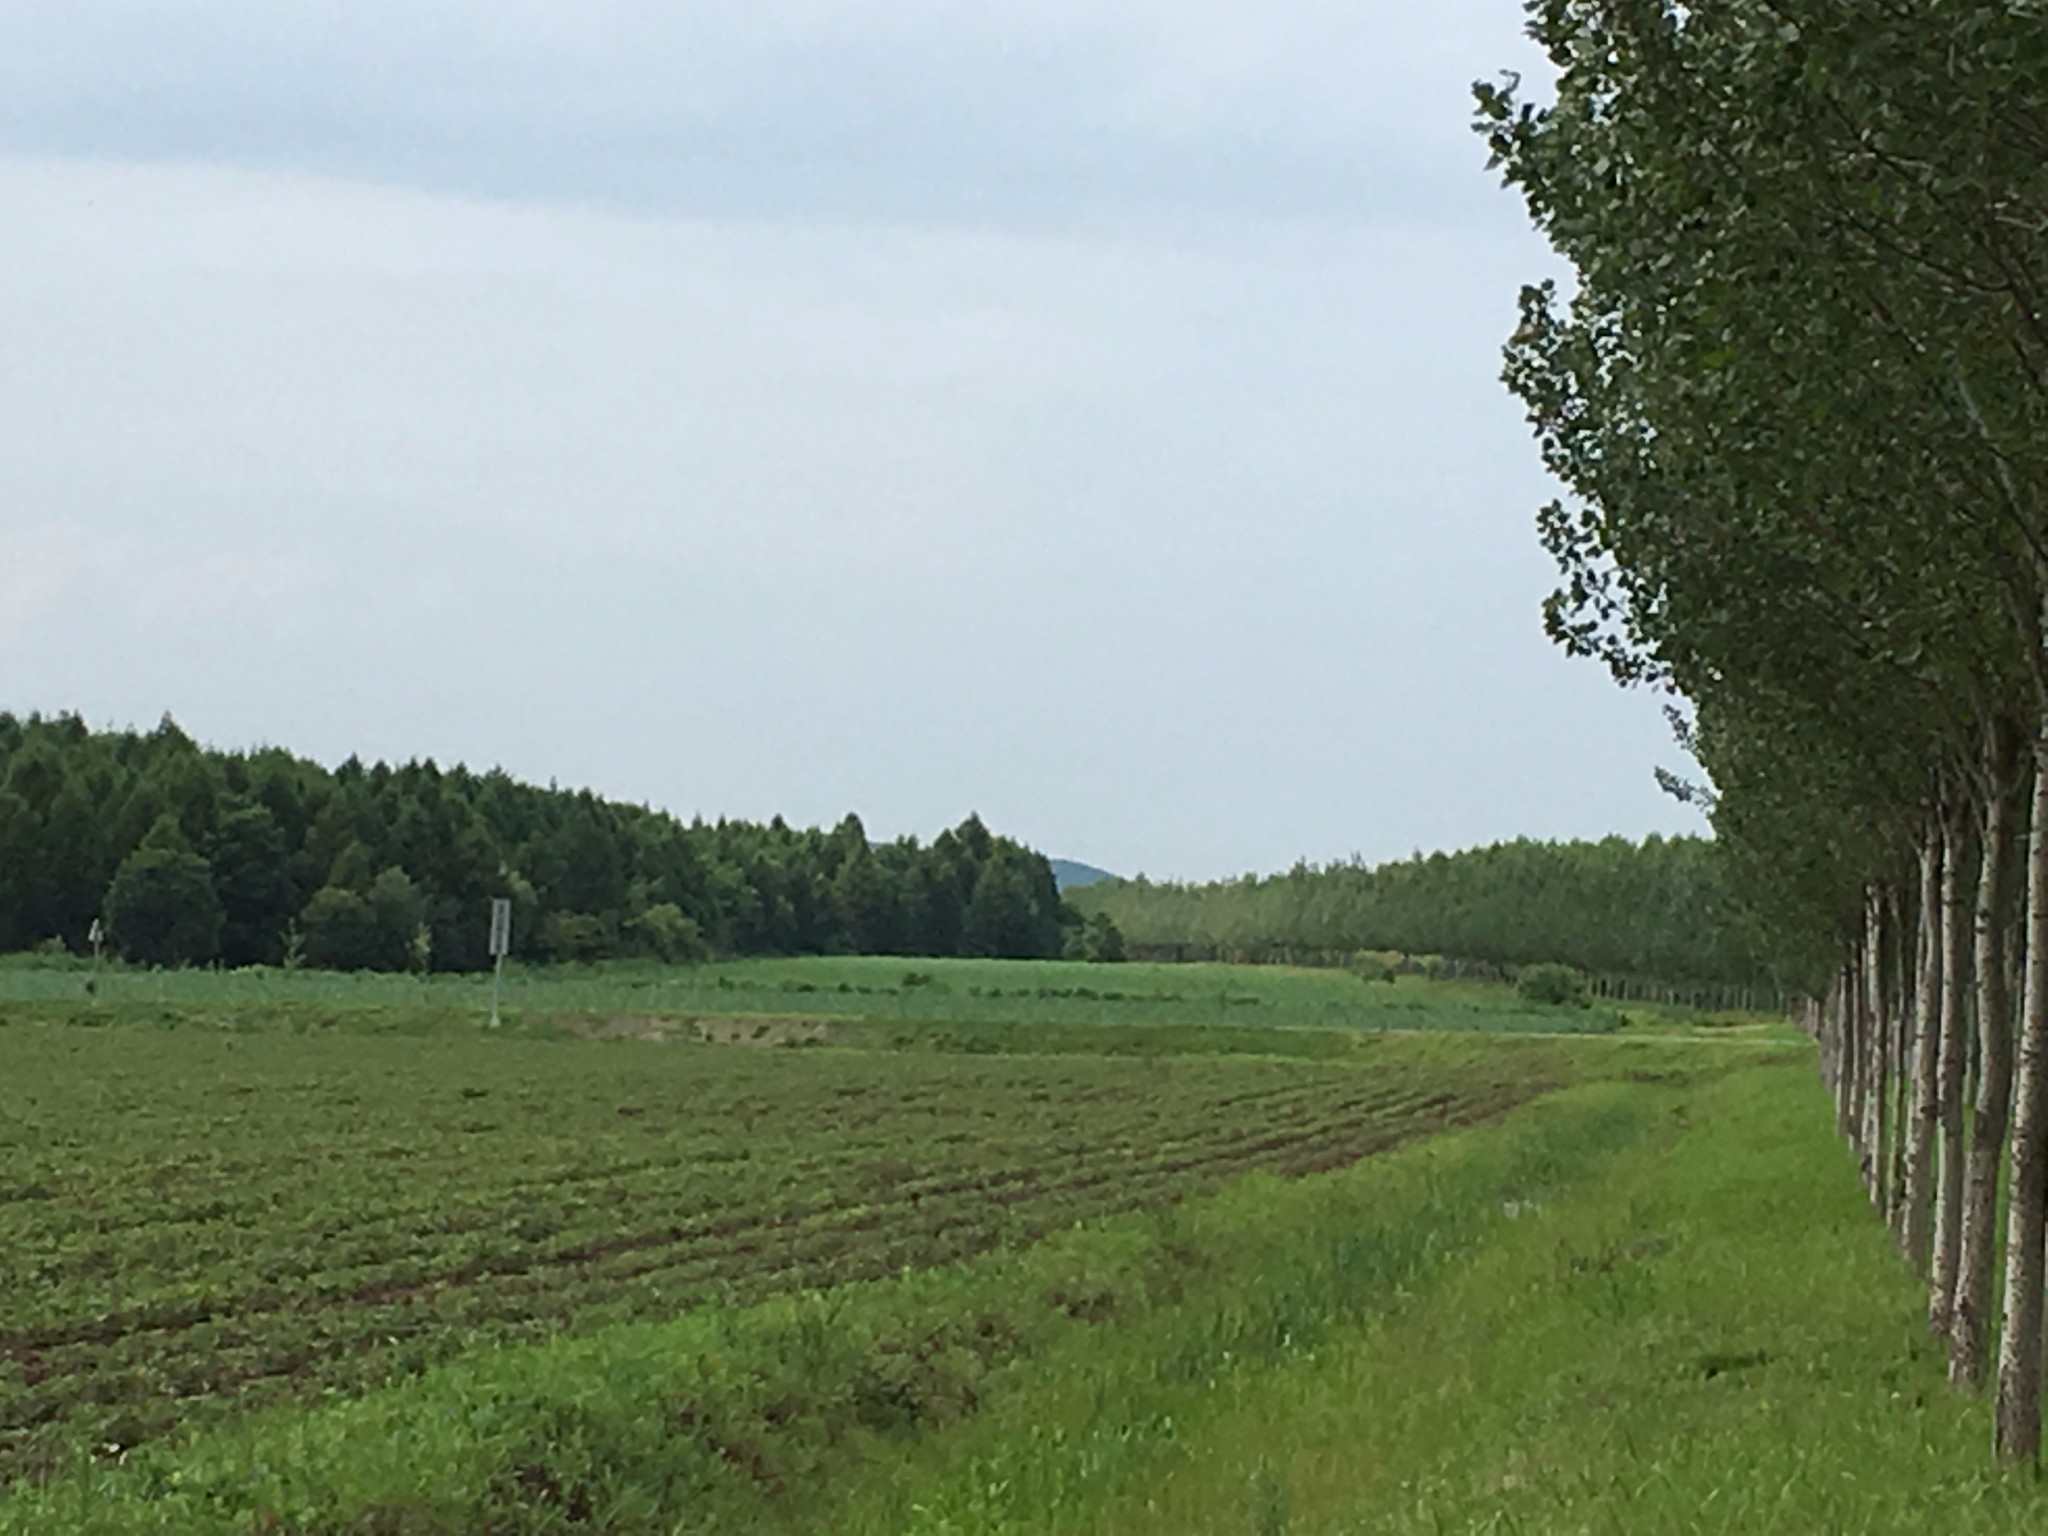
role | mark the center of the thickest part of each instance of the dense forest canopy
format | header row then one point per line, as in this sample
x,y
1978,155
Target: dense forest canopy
x,y
1658,908
191,856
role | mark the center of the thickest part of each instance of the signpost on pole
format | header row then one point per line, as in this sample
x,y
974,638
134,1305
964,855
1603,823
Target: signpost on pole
x,y
501,945
96,936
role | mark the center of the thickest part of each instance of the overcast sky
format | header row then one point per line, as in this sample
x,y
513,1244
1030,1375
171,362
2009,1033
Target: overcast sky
x,y
1083,413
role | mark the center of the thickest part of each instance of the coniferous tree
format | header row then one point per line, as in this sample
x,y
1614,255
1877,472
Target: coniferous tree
x,y
393,866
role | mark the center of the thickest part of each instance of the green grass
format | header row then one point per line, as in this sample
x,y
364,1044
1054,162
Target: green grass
x,y
870,988
1714,1336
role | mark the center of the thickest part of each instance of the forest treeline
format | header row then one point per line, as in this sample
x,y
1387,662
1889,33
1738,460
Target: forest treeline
x,y
1658,908
192,856
1798,393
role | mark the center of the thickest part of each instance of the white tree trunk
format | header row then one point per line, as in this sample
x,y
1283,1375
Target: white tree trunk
x,y
1922,1060
1952,1055
1969,1343
1843,1029
1876,1052
1848,1111
1898,1108
2018,1417
1849,1069
1901,972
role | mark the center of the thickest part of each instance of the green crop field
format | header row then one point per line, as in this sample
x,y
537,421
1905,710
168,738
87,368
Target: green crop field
x,y
865,987
961,1247
197,1220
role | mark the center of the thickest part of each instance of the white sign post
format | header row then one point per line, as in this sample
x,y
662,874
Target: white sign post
x,y
96,936
501,945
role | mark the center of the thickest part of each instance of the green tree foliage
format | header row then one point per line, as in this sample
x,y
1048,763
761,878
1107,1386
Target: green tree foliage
x,y
398,913
574,938
1558,985
1014,909
665,932
253,876
1659,908
338,930
392,868
1798,396
162,906
1102,941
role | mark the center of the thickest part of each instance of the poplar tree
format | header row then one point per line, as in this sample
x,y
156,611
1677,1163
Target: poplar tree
x,y
1796,394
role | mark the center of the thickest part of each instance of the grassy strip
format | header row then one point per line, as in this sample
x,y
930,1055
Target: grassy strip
x,y
851,987
1717,1337
424,1019
781,1414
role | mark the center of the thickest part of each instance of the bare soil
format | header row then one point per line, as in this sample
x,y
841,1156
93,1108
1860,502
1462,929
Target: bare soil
x,y
710,1031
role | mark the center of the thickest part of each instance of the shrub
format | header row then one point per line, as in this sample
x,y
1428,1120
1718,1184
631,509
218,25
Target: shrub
x,y
576,938
1557,984
665,932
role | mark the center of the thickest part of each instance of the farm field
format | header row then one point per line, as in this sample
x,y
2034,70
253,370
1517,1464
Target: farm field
x,y
1130,1362
197,1220
863,987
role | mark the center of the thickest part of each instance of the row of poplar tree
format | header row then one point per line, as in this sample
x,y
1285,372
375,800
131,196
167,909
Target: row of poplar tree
x,y
1654,909
1798,390
191,856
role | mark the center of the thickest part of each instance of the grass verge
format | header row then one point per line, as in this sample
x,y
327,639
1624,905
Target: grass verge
x,y
1049,992
1716,1336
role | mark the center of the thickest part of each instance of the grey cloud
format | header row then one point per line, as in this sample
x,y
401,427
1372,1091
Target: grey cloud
x,y
1053,114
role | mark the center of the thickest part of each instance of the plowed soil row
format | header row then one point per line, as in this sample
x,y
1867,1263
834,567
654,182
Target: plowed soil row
x,y
613,1182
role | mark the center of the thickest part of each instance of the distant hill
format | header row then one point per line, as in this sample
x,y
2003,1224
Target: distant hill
x,y
1070,874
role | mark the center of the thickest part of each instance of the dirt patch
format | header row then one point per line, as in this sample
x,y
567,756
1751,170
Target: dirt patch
x,y
764,1032
711,1031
